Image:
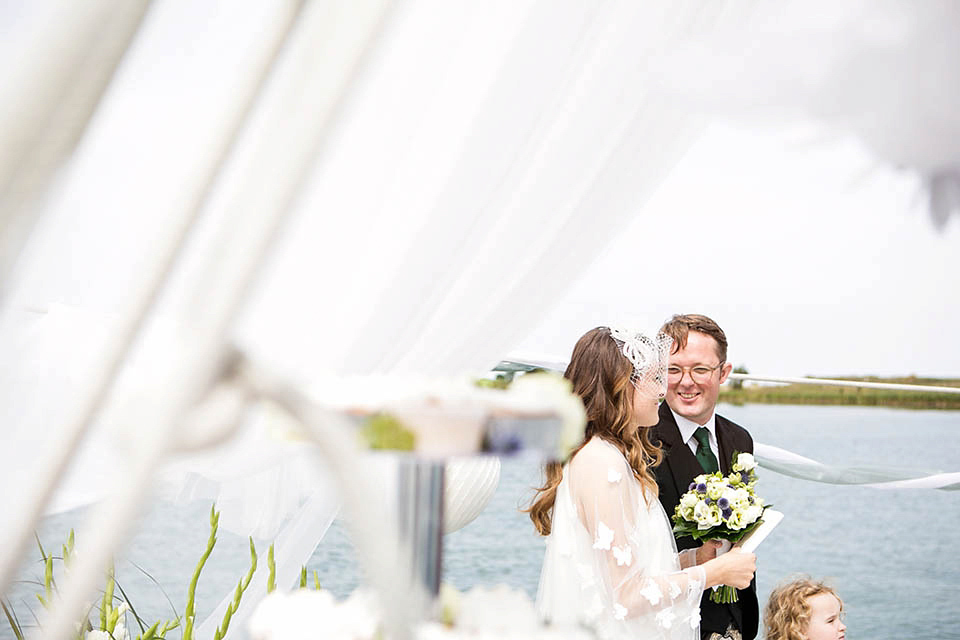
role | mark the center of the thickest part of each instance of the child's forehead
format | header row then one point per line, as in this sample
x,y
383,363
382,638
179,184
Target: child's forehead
x,y
825,599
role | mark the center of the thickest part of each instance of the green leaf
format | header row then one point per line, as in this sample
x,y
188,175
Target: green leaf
x,y
383,431
238,594
12,620
150,633
272,576
192,589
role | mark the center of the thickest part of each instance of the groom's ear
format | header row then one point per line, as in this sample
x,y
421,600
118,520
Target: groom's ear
x,y
725,371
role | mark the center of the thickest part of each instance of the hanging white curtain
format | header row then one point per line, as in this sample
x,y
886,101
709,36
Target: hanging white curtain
x,y
423,179
475,160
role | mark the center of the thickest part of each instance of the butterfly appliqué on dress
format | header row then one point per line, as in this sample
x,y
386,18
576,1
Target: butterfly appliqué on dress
x,y
665,618
675,590
623,555
652,593
604,537
619,611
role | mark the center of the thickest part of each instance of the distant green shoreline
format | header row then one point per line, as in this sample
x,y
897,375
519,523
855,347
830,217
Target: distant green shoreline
x,y
830,395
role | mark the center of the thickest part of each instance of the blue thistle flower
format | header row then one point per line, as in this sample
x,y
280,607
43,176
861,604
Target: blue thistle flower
x,y
726,513
723,503
693,485
702,487
709,502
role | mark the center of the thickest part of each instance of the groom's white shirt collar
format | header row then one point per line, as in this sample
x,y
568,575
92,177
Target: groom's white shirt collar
x,y
687,427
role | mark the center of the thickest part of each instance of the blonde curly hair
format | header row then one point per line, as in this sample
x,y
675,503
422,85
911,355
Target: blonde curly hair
x,y
787,613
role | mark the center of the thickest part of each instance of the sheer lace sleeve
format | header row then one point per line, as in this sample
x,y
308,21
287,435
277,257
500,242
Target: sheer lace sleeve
x,y
632,566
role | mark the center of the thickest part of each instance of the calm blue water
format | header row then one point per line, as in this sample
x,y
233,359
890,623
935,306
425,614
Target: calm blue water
x,y
890,553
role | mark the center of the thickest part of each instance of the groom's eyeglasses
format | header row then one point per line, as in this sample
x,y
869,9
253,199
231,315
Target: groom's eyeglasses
x,y
700,373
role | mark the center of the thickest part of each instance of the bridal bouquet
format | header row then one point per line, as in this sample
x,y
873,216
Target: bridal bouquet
x,y
721,508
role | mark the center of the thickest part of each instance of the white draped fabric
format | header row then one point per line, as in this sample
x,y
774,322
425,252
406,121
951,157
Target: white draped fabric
x,y
448,170
329,187
797,466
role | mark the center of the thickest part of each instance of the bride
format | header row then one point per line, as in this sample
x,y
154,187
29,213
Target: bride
x,y
611,560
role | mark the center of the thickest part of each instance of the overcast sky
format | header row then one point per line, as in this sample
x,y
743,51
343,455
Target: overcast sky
x,y
813,258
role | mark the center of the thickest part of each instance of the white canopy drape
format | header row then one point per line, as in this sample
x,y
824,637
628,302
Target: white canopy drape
x,y
333,188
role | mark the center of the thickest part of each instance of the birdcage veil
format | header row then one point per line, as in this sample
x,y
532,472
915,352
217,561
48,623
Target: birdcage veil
x,y
649,353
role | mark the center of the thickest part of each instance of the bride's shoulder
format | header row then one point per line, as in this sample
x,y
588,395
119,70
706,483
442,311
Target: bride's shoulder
x,y
598,452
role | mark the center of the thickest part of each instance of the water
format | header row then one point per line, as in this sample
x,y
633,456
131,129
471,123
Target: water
x,y
889,553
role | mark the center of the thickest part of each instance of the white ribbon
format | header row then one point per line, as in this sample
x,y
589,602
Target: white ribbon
x,y
797,466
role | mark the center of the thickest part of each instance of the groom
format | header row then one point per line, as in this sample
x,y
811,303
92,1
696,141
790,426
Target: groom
x,y
694,439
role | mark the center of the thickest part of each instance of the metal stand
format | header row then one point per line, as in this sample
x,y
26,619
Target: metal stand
x,y
420,523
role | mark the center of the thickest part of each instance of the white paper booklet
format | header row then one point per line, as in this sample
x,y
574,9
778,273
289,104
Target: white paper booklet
x,y
752,540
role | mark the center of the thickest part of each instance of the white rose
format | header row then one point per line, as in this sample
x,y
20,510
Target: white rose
x,y
701,513
715,489
515,612
753,513
745,462
740,498
706,516
688,501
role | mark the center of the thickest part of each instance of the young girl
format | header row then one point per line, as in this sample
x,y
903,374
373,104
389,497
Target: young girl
x,y
611,559
804,609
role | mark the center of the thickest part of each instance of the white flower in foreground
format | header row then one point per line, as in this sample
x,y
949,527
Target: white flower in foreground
x,y
745,462
557,392
497,611
306,614
120,630
449,603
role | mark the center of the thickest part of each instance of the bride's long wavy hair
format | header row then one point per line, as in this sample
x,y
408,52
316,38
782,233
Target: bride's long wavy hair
x,y
600,374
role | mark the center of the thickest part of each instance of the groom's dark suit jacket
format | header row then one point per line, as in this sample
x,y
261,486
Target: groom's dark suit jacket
x,y
674,475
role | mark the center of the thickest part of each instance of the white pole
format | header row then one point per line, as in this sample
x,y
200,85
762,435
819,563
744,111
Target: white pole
x,y
16,535
50,90
527,364
309,84
846,383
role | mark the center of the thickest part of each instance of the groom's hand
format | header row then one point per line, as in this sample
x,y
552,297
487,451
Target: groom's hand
x,y
708,551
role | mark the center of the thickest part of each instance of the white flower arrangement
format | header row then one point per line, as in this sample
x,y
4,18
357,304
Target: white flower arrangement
x,y
307,614
555,391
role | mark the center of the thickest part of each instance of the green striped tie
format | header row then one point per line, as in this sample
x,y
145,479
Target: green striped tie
x,y
704,455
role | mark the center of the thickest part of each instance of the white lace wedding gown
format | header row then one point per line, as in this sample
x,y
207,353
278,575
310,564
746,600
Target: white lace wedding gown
x,y
611,560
